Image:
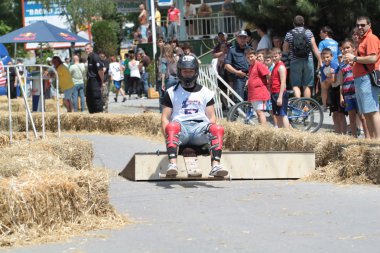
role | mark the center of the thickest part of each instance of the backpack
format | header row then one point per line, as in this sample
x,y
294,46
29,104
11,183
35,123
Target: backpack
x,y
301,44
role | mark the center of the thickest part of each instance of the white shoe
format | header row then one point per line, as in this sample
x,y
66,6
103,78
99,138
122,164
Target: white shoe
x,y
218,171
172,170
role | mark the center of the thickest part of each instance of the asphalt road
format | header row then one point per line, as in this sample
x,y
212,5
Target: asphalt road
x,y
223,216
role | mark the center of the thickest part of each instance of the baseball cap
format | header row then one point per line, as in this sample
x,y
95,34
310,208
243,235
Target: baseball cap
x,y
140,51
242,33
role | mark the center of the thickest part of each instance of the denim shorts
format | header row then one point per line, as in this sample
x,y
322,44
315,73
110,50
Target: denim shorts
x,y
194,133
302,72
367,96
350,103
283,109
67,94
117,84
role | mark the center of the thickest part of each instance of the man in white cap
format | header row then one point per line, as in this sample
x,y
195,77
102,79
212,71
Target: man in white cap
x,y
237,64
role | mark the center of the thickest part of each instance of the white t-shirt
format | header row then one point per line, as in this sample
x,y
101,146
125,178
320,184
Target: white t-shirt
x,y
265,43
115,71
134,67
189,105
190,11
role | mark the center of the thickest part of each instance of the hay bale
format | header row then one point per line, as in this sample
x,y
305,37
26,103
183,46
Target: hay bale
x,y
329,148
16,161
328,173
140,124
73,152
353,162
372,163
18,105
47,185
40,203
4,140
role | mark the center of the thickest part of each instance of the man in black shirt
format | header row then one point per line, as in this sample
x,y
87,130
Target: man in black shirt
x,y
95,79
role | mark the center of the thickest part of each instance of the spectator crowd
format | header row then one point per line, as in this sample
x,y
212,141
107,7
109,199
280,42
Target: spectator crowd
x,y
264,71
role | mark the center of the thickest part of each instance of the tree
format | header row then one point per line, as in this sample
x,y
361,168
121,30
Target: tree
x,y
82,12
10,13
4,28
105,34
340,15
11,19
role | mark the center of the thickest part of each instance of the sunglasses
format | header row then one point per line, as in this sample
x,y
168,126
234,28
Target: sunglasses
x,y
361,25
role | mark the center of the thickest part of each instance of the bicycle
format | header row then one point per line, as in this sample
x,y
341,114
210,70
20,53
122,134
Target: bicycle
x,y
304,114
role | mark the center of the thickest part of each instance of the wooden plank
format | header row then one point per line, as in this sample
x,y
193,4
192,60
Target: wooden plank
x,y
192,168
241,165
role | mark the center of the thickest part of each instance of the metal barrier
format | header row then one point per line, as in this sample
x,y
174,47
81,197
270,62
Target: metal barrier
x,y
199,27
208,76
208,79
203,26
24,92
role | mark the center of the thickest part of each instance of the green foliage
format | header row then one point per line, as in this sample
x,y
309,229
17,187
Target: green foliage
x,y
11,18
43,54
10,13
4,29
105,35
134,19
340,15
119,18
80,12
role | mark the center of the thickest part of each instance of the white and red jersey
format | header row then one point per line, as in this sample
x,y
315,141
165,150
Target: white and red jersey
x,y
189,105
3,75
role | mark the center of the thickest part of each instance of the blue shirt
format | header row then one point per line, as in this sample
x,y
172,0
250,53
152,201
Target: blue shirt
x,y
333,45
236,58
333,68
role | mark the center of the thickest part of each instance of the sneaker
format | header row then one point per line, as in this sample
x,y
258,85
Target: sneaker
x,y
218,171
124,99
172,170
115,99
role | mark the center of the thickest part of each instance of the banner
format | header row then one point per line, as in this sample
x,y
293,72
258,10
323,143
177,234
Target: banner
x,y
33,12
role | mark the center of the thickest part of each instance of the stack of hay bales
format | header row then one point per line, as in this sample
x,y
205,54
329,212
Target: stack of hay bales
x,y
18,105
49,189
339,158
333,159
146,124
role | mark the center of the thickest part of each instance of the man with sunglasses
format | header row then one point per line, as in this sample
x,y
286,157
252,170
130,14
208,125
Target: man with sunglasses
x,y
365,61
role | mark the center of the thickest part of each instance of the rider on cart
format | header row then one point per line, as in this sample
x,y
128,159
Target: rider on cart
x,y
188,117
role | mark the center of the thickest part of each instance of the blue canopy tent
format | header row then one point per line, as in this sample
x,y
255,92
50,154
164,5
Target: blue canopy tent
x,y
4,55
41,32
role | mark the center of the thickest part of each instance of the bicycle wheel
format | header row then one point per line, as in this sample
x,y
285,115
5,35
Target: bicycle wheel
x,y
305,114
243,112
232,108
292,99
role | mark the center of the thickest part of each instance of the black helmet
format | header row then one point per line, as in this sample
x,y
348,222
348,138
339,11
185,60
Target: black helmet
x,y
188,62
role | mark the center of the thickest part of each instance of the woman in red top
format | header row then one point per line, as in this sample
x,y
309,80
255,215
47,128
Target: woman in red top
x,y
258,77
279,96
